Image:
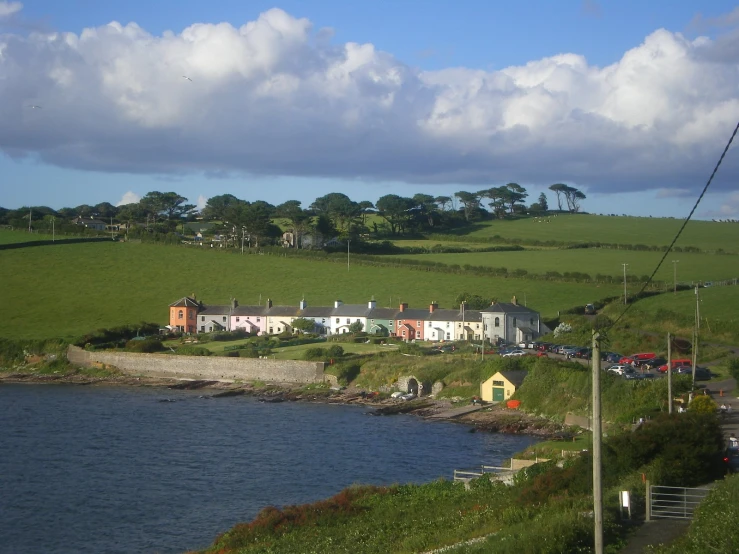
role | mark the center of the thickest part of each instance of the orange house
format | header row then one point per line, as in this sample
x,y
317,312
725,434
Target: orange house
x,y
409,323
183,314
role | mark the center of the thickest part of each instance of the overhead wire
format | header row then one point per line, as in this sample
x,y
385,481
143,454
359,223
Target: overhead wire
x,y
679,232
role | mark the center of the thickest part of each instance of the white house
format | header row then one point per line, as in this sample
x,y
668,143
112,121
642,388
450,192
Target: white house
x,y
511,323
345,315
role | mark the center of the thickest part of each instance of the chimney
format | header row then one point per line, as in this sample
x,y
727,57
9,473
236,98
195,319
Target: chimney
x,y
303,304
269,302
514,301
404,306
372,304
194,297
234,303
433,306
338,303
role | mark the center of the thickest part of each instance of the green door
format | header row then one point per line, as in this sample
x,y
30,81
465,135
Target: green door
x,y
498,394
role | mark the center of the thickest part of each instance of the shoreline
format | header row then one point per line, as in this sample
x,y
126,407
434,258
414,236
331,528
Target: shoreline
x,y
493,419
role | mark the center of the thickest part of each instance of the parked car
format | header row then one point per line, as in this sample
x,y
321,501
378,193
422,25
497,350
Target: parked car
x,y
515,353
525,344
611,357
701,373
676,363
570,350
653,363
637,358
585,353
619,369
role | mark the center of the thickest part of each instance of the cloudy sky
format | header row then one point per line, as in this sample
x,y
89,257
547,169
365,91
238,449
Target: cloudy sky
x,y
630,101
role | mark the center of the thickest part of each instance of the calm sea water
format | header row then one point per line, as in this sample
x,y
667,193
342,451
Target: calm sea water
x,y
121,470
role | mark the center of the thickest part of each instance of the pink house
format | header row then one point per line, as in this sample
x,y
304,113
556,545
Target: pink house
x,y
253,319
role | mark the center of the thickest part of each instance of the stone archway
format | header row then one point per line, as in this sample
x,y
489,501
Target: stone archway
x,y
412,386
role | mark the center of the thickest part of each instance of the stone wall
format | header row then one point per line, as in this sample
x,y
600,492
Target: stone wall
x,y
201,367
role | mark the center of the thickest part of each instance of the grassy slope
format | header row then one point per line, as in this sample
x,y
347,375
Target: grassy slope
x,y
66,290
691,267
621,230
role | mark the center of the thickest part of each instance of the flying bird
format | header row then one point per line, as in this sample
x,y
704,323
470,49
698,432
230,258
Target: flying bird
x,y
186,77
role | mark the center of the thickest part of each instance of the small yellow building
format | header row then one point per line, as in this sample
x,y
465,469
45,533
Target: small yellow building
x,y
501,386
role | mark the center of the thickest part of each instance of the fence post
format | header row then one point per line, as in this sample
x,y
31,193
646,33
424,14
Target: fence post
x,y
649,502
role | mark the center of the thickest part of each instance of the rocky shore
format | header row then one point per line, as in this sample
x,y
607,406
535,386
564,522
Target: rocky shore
x,y
493,419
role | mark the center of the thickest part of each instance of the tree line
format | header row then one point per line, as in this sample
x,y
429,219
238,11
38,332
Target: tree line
x,y
331,215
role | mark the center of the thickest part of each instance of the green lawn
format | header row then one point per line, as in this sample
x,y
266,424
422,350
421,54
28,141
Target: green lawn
x,y
605,261
706,235
10,237
67,290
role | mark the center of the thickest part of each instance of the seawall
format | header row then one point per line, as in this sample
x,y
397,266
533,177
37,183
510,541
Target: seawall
x,y
201,367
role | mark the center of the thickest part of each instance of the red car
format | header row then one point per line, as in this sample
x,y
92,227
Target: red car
x,y
636,359
675,364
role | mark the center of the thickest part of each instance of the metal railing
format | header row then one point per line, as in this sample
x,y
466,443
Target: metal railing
x,y
474,473
673,502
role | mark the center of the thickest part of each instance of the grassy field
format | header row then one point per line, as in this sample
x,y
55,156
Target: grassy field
x,y
67,290
604,261
10,237
706,235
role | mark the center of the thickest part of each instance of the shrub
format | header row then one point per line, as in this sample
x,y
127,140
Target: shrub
x,y
315,354
733,367
335,351
703,405
191,350
144,346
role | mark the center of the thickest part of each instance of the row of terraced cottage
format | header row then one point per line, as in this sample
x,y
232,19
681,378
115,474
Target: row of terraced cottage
x,y
500,322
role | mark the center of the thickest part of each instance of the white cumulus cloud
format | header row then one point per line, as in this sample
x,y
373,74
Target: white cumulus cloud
x,y
9,8
202,201
128,198
271,97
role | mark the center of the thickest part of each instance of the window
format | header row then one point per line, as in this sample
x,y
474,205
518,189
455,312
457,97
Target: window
x,y
224,318
323,320
514,321
271,330
447,325
348,320
498,384
477,337
447,336
259,319
403,332
202,328
179,316
191,315
202,318
477,325
429,324
237,319
418,323
497,322
373,321
337,320
391,323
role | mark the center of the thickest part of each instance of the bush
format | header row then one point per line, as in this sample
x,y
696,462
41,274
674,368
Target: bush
x,y
315,354
733,367
335,351
191,350
145,346
703,405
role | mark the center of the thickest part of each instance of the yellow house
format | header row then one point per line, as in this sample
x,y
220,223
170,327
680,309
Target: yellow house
x,y
501,386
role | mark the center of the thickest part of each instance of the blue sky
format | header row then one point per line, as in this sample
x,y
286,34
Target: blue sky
x,y
311,115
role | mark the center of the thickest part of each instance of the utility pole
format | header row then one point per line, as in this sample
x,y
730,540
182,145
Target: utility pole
x,y
597,449
669,373
625,266
347,253
29,219
243,232
674,276
695,333
53,230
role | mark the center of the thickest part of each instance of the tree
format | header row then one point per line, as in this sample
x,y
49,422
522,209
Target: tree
x,y
473,301
253,218
338,207
471,203
516,194
577,195
498,197
703,405
105,210
304,325
299,219
443,202
365,206
559,189
131,212
543,203
217,206
395,210
425,204
356,327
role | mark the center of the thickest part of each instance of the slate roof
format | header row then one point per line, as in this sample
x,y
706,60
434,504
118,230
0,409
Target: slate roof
x,y
507,307
185,302
316,311
383,313
248,310
516,376
351,310
215,310
283,311
412,313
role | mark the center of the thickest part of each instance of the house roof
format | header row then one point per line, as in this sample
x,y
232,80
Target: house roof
x,y
185,302
215,310
248,310
516,377
382,313
412,313
316,311
508,307
356,310
283,311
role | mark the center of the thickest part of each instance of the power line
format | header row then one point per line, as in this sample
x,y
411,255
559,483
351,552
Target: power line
x,y
682,227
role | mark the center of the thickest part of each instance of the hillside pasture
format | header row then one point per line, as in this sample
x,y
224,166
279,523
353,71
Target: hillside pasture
x,y
604,261
581,228
68,290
